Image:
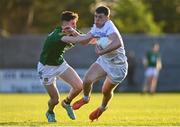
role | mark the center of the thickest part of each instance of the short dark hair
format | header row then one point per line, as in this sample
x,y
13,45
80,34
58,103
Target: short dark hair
x,y
69,15
103,9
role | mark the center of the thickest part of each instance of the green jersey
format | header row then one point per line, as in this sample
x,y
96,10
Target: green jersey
x,y
54,48
152,58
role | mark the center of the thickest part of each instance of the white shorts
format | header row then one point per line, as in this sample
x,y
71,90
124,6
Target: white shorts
x,y
115,72
151,71
48,74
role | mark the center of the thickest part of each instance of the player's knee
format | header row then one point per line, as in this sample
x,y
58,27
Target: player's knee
x,y
78,88
55,101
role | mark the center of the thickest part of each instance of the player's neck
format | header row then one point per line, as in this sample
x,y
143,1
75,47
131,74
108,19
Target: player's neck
x,y
100,26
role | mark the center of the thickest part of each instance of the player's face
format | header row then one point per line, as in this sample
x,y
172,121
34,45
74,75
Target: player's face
x,y
100,19
156,48
71,23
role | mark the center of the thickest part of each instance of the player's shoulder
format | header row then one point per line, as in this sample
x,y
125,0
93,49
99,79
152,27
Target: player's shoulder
x,y
57,29
56,32
109,23
55,35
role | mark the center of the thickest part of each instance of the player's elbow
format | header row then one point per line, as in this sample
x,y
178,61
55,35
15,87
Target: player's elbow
x,y
78,89
117,45
83,42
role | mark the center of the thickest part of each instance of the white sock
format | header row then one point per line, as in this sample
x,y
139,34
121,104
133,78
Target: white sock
x,y
86,98
103,108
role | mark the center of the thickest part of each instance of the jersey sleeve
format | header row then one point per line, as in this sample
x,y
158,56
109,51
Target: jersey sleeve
x,y
111,28
56,35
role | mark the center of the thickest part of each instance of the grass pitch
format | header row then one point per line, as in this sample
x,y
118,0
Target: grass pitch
x,y
124,110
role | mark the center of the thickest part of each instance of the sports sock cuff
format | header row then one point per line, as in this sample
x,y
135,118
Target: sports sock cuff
x,y
50,112
67,100
103,108
86,98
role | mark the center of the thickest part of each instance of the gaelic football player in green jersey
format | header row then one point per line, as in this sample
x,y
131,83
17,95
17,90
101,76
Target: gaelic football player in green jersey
x,y
52,66
152,63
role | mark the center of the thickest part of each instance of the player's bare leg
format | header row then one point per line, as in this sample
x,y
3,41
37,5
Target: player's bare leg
x,y
94,73
107,90
72,78
153,85
54,100
147,84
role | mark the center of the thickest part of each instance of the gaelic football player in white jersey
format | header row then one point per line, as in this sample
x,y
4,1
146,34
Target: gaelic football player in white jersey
x,y
112,61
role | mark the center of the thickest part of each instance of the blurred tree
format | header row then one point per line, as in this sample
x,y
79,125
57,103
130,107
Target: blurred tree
x,y
39,16
83,9
13,15
167,13
47,13
132,16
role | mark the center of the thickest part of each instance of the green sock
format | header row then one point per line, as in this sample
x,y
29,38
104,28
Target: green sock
x,y
67,101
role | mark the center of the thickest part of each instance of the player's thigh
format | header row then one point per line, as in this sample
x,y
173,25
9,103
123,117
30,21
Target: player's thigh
x,y
71,77
52,91
108,86
94,73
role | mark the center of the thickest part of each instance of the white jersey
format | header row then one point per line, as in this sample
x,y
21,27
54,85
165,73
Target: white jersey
x,y
118,55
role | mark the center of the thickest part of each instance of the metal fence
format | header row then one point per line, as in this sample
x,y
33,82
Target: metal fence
x,y
22,52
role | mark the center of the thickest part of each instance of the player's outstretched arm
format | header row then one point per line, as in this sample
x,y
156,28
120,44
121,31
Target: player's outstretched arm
x,y
83,39
70,31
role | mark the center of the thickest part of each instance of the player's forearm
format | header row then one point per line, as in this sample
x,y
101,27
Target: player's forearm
x,y
115,44
81,39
